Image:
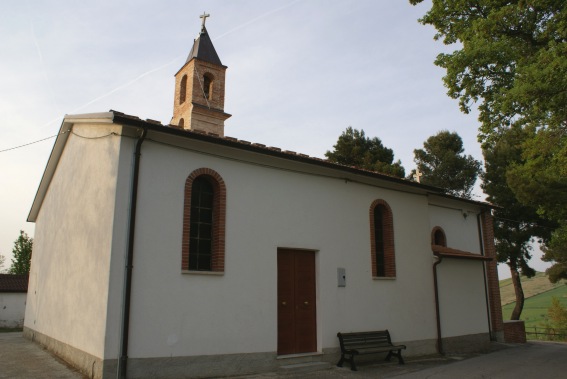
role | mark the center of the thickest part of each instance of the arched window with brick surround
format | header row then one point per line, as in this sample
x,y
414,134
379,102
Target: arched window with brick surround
x,y
204,216
438,237
383,255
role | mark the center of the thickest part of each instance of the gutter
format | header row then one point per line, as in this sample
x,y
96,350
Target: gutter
x,y
481,243
437,315
129,261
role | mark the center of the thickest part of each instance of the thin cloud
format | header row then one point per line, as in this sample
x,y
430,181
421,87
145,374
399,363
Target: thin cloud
x,y
256,19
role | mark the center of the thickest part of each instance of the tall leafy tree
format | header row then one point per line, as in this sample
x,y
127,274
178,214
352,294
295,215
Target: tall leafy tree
x,y
443,164
516,226
22,252
353,148
510,60
546,154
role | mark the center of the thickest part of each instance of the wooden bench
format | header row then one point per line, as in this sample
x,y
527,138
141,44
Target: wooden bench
x,y
362,343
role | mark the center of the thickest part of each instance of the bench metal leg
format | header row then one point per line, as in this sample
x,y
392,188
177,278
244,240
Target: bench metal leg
x,y
352,364
398,354
400,359
349,360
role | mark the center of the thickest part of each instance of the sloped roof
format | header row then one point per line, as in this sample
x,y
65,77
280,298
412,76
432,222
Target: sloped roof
x,y
203,49
157,128
14,283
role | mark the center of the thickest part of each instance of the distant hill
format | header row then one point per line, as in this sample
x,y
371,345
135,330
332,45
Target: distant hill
x,y
535,307
532,287
538,292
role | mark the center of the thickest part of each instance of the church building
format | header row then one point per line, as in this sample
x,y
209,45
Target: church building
x,y
174,251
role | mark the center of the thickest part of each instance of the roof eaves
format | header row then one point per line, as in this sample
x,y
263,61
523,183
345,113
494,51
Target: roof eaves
x,y
262,149
448,252
57,150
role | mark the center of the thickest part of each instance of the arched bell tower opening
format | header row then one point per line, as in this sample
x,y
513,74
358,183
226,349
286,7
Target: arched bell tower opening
x,y
199,88
208,80
183,89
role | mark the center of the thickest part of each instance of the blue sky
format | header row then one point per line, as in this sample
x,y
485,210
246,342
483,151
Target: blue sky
x,y
299,73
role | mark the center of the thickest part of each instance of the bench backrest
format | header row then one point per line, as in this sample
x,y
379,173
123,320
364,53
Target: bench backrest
x,y
360,339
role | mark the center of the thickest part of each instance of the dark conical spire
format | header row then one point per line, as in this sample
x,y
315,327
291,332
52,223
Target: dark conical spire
x,y
203,49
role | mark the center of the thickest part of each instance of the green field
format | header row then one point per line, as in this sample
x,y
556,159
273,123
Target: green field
x,y
535,307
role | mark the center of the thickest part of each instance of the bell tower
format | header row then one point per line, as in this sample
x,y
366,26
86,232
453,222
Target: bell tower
x,y
199,88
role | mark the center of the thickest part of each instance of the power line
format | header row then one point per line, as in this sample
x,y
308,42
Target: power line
x,y
27,144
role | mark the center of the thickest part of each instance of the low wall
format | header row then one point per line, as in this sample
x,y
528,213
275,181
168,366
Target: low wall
x,y
12,309
231,364
87,364
514,331
471,343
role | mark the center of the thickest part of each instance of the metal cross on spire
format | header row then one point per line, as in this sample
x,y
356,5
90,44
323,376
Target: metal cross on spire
x,y
204,17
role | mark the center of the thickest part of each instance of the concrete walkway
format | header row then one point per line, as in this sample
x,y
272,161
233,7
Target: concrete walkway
x,y
23,359
541,360
20,358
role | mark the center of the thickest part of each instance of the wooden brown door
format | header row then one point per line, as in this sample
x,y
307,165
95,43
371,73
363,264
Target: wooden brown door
x,y
297,326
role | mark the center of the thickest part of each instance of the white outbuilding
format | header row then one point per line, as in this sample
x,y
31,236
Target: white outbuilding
x,y
13,293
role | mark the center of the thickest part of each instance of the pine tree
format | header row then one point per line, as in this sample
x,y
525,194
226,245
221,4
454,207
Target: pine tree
x,y
443,164
353,148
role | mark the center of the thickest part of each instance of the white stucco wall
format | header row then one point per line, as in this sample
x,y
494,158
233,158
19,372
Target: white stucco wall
x,y
83,223
462,299
461,231
69,277
12,309
175,314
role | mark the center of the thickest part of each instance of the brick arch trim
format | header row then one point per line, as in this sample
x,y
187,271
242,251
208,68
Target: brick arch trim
x,y
388,236
210,75
219,218
434,231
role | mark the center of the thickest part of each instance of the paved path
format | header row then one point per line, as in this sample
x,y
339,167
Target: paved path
x,y
540,360
543,360
20,358
23,359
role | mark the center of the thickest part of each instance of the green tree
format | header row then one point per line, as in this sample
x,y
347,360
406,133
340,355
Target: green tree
x,y
22,252
353,148
443,164
556,319
510,60
515,224
546,154
2,260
